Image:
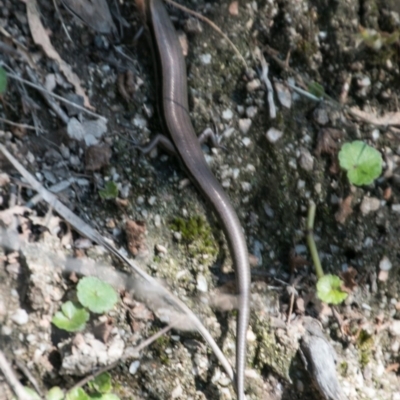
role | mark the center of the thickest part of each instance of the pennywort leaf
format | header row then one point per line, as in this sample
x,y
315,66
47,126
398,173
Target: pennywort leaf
x,y
362,162
102,383
71,318
96,295
329,289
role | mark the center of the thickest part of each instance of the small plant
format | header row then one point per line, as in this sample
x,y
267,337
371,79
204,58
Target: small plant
x,y
362,162
96,295
71,318
329,289
3,81
99,389
110,191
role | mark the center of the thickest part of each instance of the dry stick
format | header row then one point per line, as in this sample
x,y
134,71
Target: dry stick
x,y
11,379
30,377
23,126
85,230
136,349
56,96
51,103
62,20
209,22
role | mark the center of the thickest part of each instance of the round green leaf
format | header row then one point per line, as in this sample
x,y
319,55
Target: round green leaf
x,y
362,162
98,296
77,394
329,289
109,396
3,80
101,383
55,393
71,318
32,393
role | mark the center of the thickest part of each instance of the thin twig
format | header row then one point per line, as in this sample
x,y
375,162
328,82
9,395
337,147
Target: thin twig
x,y
30,377
213,25
12,380
62,20
22,126
56,96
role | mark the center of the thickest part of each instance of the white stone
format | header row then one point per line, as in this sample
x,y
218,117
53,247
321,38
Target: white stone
x,y
369,204
134,367
227,114
202,285
20,317
385,264
244,125
273,135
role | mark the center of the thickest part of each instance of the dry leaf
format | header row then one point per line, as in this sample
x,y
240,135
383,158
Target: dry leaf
x,y
94,13
390,118
345,209
349,282
135,234
41,38
327,141
97,157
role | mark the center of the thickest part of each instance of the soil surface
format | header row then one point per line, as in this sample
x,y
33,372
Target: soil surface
x,y
343,60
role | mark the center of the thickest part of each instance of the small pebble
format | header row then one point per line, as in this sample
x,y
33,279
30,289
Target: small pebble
x,y
202,285
385,264
273,135
396,208
253,85
227,114
394,327
251,112
244,125
134,367
306,160
161,249
369,204
321,116
246,141
152,200
205,59
234,8
284,95
157,220
246,186
20,317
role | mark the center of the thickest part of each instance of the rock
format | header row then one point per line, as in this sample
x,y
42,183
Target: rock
x,y
369,204
20,317
244,125
385,264
273,135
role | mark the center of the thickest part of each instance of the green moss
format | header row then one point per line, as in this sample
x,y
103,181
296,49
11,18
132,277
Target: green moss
x,y
365,343
196,235
272,353
343,368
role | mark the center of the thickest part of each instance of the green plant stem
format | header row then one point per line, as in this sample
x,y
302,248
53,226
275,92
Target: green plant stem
x,y
311,242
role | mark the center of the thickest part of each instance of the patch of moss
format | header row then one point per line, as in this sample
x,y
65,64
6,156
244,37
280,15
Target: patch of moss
x,y
343,368
196,234
365,343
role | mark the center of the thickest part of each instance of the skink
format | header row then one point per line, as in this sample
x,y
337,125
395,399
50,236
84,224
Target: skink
x,y
171,71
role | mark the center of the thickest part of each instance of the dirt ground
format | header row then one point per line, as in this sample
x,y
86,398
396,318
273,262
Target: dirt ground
x,y
271,168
